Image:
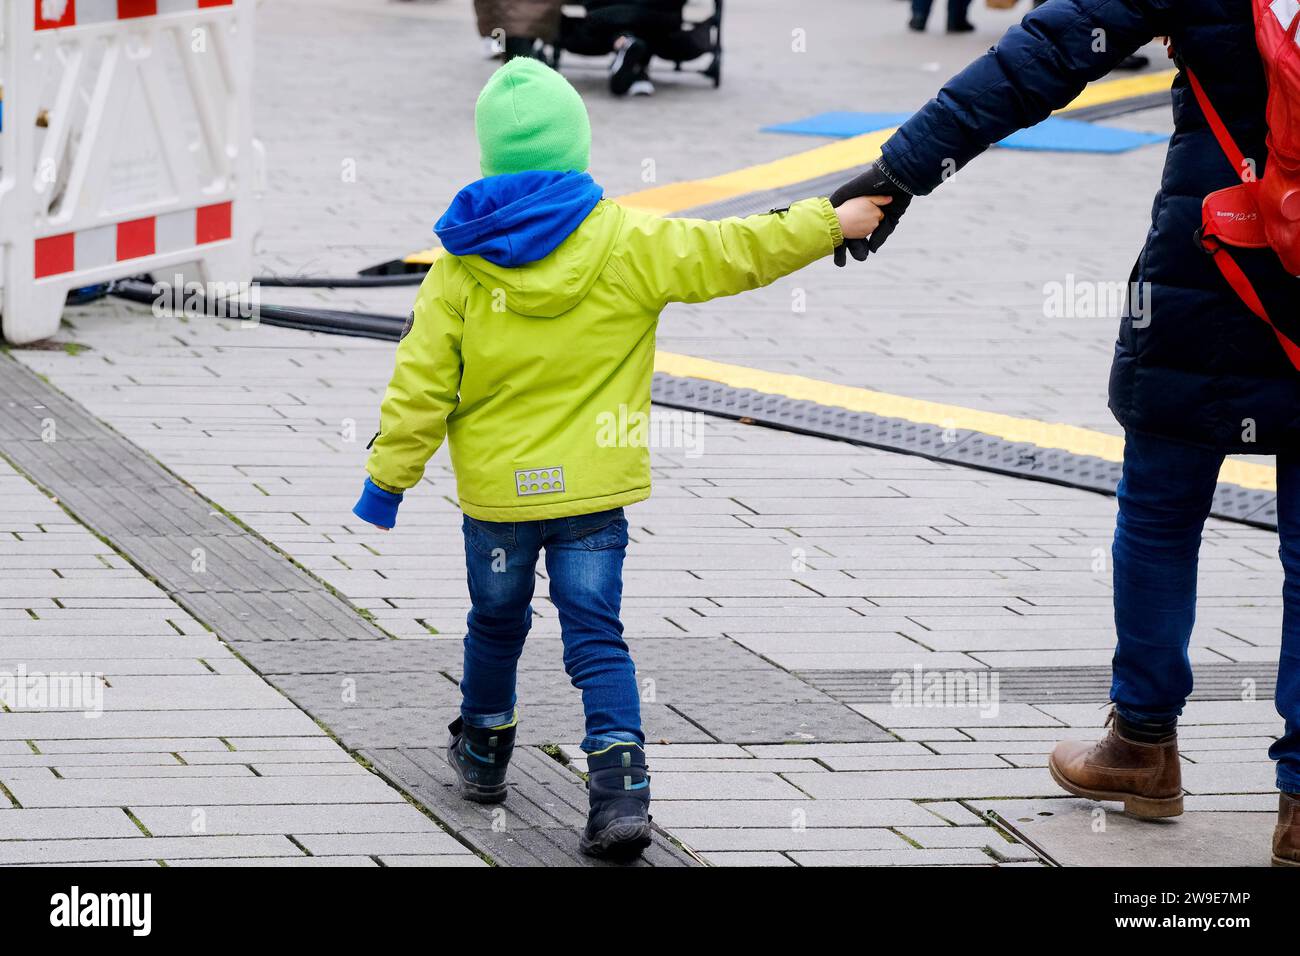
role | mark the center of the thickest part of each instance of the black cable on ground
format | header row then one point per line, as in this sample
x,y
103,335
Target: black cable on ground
x,y
340,282
368,325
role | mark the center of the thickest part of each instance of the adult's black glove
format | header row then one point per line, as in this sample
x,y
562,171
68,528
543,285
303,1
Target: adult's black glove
x,y
875,181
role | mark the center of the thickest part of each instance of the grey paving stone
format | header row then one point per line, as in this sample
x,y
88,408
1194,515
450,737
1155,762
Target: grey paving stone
x,y
82,822
150,772
677,814
1011,782
750,859
142,745
428,843
202,793
199,723
29,760
372,690
910,857
774,723
265,758
715,840
705,785
662,764
955,813
1077,833
417,860
338,657
318,818
276,861
201,692
141,848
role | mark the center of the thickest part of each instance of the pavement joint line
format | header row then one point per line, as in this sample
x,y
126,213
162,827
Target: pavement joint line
x,y
253,598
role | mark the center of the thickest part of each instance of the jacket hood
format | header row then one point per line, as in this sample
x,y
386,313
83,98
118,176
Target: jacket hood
x,y
513,232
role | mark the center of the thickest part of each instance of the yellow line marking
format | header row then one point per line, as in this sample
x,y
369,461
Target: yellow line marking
x,y
1094,94
841,155
1070,438
425,257
821,161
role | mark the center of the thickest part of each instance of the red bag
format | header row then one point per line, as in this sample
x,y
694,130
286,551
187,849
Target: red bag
x,y
1261,213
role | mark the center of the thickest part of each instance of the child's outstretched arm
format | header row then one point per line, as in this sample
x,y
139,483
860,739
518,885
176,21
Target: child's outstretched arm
x,y
424,390
694,260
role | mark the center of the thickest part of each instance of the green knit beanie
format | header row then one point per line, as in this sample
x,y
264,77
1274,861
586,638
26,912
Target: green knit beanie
x,y
529,117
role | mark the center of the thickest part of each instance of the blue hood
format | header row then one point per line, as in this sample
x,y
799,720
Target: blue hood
x,y
517,218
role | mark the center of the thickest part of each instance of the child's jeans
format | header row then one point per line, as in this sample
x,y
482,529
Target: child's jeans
x,y
584,563
1164,499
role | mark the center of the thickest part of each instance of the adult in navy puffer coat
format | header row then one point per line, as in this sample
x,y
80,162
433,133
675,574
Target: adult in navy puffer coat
x,y
1196,377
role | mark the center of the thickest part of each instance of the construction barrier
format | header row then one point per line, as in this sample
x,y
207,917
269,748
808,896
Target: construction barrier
x,y
126,148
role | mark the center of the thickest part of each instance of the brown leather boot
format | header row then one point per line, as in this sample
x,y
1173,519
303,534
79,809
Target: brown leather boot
x,y
1146,777
1286,835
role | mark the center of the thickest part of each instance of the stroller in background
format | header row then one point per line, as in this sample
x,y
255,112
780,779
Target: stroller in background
x,y
660,23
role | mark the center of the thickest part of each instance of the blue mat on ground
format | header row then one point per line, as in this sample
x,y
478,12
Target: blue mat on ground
x,y
839,124
1054,133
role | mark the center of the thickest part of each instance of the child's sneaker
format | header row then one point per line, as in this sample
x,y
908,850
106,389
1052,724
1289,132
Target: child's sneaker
x,y
618,826
479,755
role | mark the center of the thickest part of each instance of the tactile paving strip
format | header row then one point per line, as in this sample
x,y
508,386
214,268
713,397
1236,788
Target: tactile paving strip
x,y
972,449
1051,685
285,622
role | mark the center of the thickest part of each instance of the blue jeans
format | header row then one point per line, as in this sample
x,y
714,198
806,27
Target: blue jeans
x,y
584,562
1164,498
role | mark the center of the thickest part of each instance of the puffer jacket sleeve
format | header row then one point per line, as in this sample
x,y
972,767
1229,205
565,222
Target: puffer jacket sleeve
x,y
1037,67
694,260
425,387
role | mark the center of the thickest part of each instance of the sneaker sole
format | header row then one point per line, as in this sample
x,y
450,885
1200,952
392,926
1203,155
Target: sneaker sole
x,y
1283,861
621,840
1144,808
475,794
630,61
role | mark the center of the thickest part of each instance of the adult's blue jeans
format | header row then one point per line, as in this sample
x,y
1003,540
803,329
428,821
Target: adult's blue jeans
x,y
1164,498
584,564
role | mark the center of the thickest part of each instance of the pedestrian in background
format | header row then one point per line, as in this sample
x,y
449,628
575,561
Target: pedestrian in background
x,y
517,27
958,21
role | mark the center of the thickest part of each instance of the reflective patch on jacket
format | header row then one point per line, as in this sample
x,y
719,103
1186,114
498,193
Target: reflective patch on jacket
x,y
539,481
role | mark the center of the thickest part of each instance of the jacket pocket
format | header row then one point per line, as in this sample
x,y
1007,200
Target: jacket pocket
x,y
487,537
604,529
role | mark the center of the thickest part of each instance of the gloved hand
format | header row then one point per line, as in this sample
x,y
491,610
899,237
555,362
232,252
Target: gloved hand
x,y
377,506
874,181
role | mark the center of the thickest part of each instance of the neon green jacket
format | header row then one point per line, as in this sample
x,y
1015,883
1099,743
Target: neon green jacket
x,y
529,372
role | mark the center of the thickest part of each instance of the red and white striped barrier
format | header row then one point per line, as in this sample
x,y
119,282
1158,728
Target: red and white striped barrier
x,y
56,14
103,246
145,160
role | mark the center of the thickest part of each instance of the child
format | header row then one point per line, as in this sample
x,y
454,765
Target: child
x,y
535,328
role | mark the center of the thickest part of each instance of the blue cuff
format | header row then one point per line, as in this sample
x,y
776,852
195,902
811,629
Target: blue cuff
x,y
377,506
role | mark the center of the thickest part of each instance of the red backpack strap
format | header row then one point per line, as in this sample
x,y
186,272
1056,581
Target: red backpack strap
x,y
1246,292
1219,128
